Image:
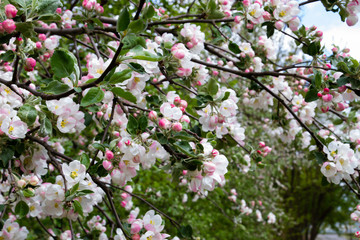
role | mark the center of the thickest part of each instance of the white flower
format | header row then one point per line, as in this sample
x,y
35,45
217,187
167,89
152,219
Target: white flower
x,y
14,128
74,172
153,222
328,169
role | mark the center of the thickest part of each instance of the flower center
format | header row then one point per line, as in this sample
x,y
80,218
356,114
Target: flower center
x,y
74,174
63,123
99,71
11,128
282,13
328,167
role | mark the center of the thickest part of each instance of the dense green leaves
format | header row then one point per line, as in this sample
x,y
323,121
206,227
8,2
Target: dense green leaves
x,y
6,155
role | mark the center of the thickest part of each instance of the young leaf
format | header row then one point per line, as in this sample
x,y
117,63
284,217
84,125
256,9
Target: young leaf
x,y
62,63
132,125
78,208
212,87
56,87
27,114
21,209
124,94
123,20
94,95
84,159
120,76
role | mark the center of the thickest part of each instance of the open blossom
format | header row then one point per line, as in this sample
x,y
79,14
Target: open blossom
x,y
13,127
74,172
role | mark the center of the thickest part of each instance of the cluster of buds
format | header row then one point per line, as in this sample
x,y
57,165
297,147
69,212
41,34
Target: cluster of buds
x,y
9,25
264,150
92,5
233,195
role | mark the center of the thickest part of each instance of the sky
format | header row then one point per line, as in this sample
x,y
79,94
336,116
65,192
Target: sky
x,y
335,31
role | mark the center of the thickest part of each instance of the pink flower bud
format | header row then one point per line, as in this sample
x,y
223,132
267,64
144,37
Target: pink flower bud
x,y
38,45
136,227
325,109
107,165
21,183
164,123
184,172
341,107
318,33
58,10
123,204
319,95
326,90
237,19
214,152
266,15
279,25
177,100
183,103
190,45
357,234
327,98
177,127
135,237
109,155
346,50
30,63
246,3
124,195
262,144
42,37
352,20
34,180
185,118
9,25
10,11
152,115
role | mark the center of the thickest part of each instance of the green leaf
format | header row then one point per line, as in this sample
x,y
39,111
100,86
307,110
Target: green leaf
x,y
45,127
226,96
217,14
184,147
78,208
131,40
56,87
143,123
212,87
84,192
123,20
137,67
99,146
342,80
185,231
26,29
62,63
318,80
234,48
28,193
132,125
74,189
137,26
8,56
21,209
311,95
27,114
314,48
119,77
94,95
84,159
143,55
149,12
48,6
6,155
124,94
